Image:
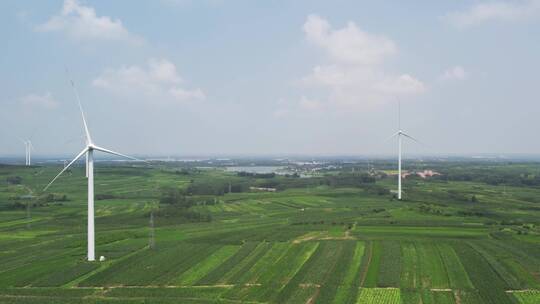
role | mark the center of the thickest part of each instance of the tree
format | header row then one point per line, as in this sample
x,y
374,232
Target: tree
x,y
14,180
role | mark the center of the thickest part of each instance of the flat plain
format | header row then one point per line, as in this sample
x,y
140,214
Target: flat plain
x,y
334,237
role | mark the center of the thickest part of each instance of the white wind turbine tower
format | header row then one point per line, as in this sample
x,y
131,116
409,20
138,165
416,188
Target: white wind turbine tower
x,y
28,147
25,142
399,135
29,153
89,152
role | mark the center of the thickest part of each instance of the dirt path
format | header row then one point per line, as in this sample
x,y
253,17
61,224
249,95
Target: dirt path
x,y
457,297
318,236
326,276
314,296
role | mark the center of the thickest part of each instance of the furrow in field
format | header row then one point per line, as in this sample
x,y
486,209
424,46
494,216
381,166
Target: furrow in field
x,y
457,276
489,285
201,269
215,275
409,267
281,272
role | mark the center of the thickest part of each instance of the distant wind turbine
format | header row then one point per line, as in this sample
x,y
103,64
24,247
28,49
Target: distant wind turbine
x,y
25,152
399,135
28,147
88,151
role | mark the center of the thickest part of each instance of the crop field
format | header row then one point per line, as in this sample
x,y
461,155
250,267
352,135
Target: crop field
x,y
323,239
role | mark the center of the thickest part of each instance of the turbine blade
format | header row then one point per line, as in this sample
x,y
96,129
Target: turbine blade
x,y
410,137
66,167
116,153
86,131
393,135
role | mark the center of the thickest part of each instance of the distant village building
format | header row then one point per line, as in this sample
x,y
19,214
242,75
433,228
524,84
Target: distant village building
x,y
427,173
423,174
263,189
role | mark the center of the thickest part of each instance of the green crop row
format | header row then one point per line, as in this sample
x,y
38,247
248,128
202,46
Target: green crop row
x,y
379,296
527,297
490,286
390,268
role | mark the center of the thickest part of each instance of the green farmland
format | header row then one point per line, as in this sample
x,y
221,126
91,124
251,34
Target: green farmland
x,y
331,238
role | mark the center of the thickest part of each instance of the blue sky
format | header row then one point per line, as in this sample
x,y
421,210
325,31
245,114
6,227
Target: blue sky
x,y
185,77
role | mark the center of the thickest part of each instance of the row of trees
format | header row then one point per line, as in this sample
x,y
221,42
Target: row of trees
x,y
42,200
176,203
218,187
491,177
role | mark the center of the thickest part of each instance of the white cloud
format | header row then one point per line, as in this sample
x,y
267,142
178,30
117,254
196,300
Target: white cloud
x,y
304,107
159,79
81,23
454,73
281,112
181,94
35,100
349,44
310,104
355,77
493,11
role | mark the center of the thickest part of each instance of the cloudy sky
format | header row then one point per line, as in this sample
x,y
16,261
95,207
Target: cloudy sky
x,y
186,77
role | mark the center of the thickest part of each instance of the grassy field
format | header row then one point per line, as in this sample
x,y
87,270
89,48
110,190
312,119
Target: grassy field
x,y
328,242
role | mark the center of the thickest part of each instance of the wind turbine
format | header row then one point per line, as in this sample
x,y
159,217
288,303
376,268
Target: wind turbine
x,y
25,152
28,147
88,151
400,134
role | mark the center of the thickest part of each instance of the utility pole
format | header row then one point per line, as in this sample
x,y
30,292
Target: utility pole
x,y
28,216
152,240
